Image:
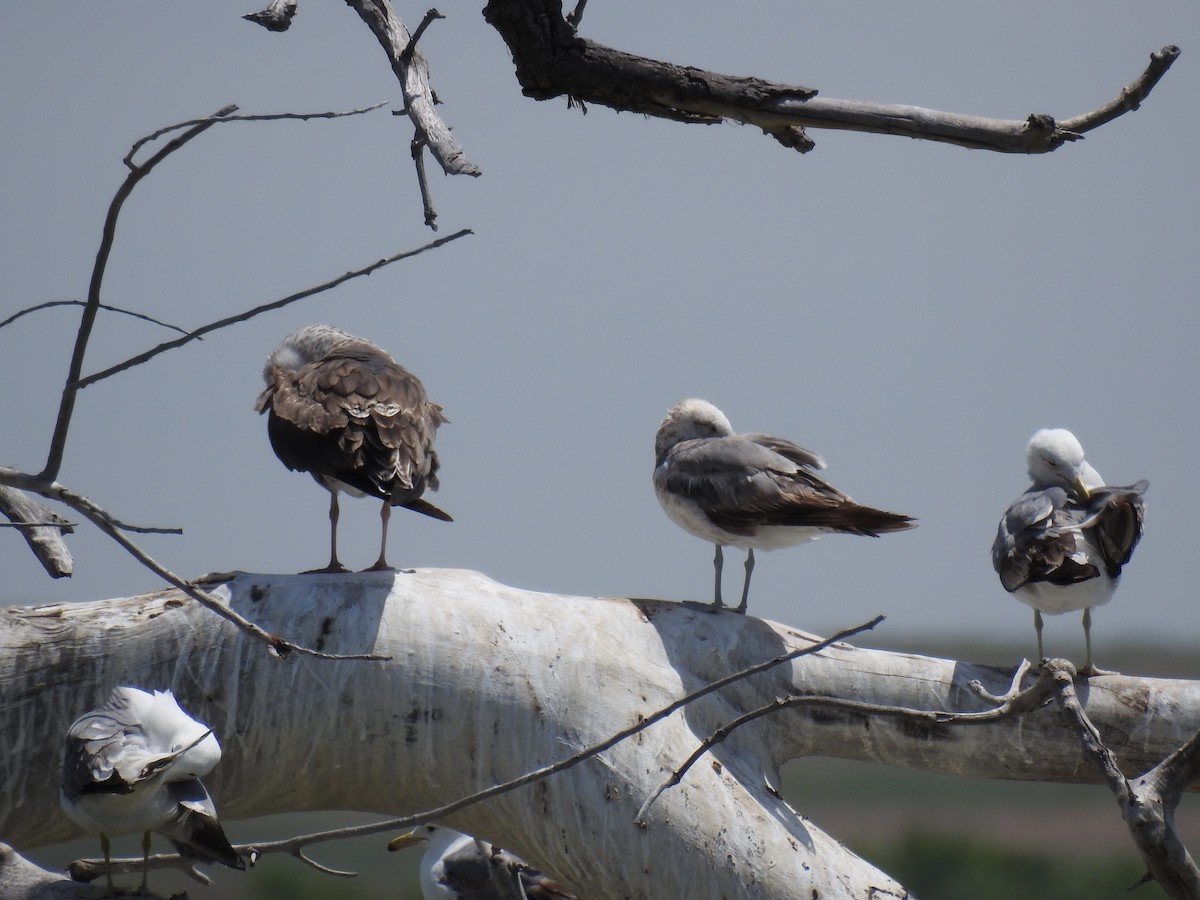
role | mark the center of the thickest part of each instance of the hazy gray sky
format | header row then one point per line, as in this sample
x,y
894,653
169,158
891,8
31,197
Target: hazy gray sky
x,y
912,311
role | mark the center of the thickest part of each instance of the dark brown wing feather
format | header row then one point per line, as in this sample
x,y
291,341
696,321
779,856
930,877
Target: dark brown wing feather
x,y
359,418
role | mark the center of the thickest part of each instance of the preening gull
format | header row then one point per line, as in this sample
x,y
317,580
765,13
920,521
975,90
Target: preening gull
x,y
457,866
134,765
752,491
341,409
1061,544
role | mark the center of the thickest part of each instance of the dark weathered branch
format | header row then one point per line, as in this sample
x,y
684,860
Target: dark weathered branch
x,y
552,61
42,528
1147,803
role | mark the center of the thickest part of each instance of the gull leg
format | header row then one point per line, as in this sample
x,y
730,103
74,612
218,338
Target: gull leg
x,y
334,515
106,847
741,608
385,514
1037,626
717,605
1089,668
719,566
145,862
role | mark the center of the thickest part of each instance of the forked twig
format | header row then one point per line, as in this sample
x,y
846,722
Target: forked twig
x,y
1013,702
58,441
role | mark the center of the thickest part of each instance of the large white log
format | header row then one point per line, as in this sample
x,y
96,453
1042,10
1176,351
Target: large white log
x,y
486,682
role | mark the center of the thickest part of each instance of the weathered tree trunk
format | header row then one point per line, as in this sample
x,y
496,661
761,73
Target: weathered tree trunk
x,y
486,682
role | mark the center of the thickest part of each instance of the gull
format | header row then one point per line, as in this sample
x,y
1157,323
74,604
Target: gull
x,y
1062,544
340,408
457,866
752,491
134,765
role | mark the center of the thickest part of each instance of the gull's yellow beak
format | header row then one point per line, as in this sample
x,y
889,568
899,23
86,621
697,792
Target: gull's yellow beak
x,y
406,840
1080,488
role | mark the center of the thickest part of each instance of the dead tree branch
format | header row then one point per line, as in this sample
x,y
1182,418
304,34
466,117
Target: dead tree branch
x,y
42,528
114,529
553,61
412,70
456,683
1148,802
276,16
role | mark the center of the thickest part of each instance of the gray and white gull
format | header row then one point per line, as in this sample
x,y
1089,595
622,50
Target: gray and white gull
x,y
133,766
340,408
1062,544
751,491
457,866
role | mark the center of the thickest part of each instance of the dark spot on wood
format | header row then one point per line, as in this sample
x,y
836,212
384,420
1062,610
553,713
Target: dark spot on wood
x,y
257,592
717,767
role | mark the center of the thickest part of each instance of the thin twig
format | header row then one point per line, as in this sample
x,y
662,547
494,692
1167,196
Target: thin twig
x,y
440,812
102,520
575,16
126,312
197,333
431,16
1130,97
295,845
58,441
418,155
259,117
88,869
1014,702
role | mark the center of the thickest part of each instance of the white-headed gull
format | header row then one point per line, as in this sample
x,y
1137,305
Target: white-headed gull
x,y
752,491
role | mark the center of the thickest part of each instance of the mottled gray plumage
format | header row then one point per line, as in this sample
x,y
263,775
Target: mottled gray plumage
x,y
134,766
1062,544
340,408
753,491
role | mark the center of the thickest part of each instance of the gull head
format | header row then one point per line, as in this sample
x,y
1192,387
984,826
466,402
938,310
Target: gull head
x,y
688,420
1055,459
308,345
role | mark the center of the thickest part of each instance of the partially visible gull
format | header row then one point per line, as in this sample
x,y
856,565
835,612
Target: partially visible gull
x,y
341,409
457,866
1061,544
134,765
752,491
